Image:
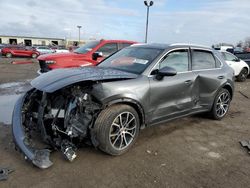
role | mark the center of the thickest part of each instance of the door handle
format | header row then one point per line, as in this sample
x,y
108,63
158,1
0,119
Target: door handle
x,y
188,81
221,77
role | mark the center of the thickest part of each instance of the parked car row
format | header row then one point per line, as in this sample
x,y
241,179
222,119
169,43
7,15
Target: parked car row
x,y
107,104
26,51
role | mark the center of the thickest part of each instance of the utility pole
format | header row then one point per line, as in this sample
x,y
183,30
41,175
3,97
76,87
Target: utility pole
x,y
79,37
147,5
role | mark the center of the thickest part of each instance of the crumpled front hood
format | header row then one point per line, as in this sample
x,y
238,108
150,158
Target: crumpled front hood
x,y
59,78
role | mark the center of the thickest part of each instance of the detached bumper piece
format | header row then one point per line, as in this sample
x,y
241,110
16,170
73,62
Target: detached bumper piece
x,y
39,158
4,173
246,144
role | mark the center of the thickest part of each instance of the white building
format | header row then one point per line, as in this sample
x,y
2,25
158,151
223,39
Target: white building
x,y
30,41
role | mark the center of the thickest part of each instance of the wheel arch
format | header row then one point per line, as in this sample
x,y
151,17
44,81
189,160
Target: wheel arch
x,y
228,87
246,68
134,104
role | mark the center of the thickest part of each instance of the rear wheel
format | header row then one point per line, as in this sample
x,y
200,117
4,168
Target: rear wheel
x,y
117,128
221,104
9,55
34,56
243,75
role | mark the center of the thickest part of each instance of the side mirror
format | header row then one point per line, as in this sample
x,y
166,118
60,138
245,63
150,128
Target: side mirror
x,y
165,71
96,55
237,60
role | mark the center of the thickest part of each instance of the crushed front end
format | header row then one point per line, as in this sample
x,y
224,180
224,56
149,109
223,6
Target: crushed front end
x,y
61,120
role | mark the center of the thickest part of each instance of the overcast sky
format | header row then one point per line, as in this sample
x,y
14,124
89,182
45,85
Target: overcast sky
x,y
197,21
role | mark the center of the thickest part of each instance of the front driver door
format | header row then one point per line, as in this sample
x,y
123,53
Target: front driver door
x,y
173,95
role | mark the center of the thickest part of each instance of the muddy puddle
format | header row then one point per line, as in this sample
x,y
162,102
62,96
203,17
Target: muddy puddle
x,y
9,93
7,103
14,88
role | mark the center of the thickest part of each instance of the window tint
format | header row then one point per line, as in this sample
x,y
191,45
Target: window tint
x,y
43,48
108,49
228,57
218,63
132,59
86,47
124,45
177,60
202,60
218,58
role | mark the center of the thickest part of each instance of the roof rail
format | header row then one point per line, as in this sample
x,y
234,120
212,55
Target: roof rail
x,y
189,44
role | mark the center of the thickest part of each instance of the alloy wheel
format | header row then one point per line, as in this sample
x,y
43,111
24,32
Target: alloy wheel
x,y
222,104
34,55
244,74
9,55
123,130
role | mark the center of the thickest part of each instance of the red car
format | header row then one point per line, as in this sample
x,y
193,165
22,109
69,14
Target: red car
x,y
88,54
20,51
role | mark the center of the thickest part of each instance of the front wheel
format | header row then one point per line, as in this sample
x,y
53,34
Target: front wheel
x,y
8,55
221,104
117,128
34,56
243,75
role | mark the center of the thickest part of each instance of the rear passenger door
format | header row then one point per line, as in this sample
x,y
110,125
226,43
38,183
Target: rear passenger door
x,y
210,76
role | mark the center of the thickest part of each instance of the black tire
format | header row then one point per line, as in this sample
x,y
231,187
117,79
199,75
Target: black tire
x,y
217,111
34,56
9,55
105,128
243,75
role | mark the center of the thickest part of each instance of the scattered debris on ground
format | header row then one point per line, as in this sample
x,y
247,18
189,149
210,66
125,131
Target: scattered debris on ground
x,y
246,144
244,95
4,173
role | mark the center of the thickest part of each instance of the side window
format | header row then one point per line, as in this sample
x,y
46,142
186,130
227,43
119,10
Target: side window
x,y
202,60
108,49
177,59
124,45
217,62
229,57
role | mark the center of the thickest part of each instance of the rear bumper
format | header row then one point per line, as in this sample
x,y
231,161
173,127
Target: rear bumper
x,y
39,158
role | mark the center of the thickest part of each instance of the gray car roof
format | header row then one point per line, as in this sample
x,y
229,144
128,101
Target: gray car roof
x,y
166,46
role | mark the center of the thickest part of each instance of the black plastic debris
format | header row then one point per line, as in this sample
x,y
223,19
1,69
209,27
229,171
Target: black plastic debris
x,y
243,94
4,172
246,144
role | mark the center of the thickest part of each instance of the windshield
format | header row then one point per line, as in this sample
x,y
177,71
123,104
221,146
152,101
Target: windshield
x,y
87,47
133,59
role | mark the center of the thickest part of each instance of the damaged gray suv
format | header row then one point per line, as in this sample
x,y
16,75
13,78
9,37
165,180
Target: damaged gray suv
x,y
106,106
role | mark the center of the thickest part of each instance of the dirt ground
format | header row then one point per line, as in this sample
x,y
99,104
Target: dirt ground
x,y
189,152
11,72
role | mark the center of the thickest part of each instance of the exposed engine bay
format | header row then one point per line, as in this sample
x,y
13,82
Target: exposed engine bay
x,y
62,119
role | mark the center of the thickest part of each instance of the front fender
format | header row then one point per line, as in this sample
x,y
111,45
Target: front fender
x,y
127,99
